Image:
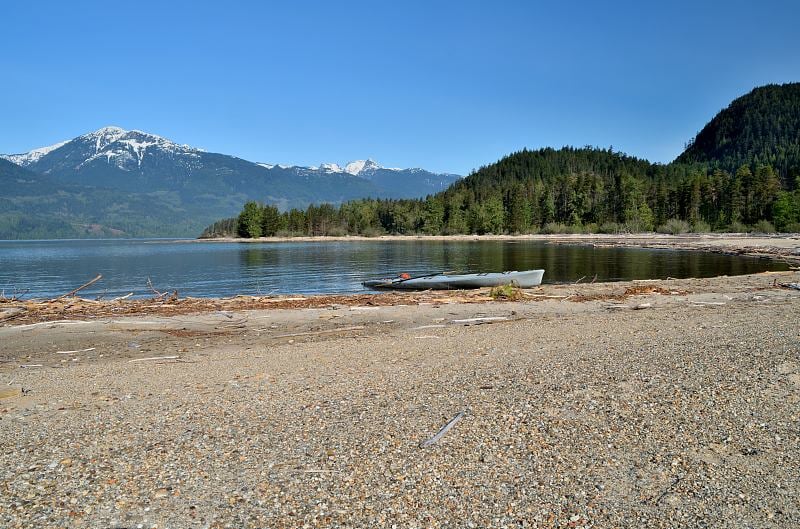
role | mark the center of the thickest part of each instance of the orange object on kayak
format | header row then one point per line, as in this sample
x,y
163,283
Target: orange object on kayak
x,y
405,276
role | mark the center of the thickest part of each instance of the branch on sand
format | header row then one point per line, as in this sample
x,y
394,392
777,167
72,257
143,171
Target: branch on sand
x,y
440,433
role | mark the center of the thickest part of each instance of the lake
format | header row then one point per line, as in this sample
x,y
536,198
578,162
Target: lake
x,y
212,269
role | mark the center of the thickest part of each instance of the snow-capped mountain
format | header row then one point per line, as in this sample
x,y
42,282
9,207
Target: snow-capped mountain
x,y
103,156
209,186
393,181
128,148
362,166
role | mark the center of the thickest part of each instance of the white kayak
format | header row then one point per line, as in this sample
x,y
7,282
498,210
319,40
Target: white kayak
x,y
524,279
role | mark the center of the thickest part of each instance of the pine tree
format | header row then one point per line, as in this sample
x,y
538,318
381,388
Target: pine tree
x,y
249,222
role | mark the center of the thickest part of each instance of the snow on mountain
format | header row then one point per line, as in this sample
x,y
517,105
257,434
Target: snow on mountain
x,y
33,156
125,148
133,160
354,168
115,145
359,166
329,168
101,138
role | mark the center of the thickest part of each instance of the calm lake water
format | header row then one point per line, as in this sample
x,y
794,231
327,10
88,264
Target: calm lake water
x,y
50,268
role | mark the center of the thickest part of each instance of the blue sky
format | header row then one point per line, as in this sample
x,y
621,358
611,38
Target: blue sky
x,y
448,86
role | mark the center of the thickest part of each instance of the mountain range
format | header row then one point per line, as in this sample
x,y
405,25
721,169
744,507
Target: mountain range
x,y
114,181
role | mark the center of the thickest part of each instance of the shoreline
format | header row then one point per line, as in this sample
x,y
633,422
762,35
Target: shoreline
x,y
778,246
28,313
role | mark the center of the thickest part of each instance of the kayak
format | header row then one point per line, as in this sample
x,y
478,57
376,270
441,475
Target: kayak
x,y
524,279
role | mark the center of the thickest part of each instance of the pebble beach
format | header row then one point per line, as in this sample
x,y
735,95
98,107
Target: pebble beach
x,y
673,408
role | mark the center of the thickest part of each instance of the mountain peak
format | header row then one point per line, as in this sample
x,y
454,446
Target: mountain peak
x,y
103,137
109,129
359,166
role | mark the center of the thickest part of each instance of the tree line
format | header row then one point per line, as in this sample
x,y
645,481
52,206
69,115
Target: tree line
x,y
569,190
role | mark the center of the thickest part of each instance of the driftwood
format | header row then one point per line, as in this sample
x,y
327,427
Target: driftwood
x,y
11,312
153,359
75,351
73,292
52,322
440,433
281,300
315,333
14,297
126,296
479,321
151,287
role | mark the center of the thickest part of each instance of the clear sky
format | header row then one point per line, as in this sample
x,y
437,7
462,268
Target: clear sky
x,y
448,86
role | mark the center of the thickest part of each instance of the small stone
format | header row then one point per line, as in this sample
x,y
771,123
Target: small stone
x,y
161,493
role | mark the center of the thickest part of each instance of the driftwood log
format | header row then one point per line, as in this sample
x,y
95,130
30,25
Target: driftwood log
x,y
73,292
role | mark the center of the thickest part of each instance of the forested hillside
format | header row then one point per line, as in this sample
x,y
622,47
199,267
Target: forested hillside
x,y
740,173
760,128
555,191
34,206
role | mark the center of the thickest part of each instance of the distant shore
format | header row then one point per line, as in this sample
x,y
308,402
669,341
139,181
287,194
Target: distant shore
x,y
783,246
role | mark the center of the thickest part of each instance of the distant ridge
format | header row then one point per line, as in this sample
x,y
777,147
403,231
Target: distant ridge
x,y
199,186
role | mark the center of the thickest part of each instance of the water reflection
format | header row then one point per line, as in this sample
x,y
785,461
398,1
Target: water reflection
x,y
50,268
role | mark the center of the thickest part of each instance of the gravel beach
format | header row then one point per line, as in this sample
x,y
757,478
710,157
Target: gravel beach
x,y
580,411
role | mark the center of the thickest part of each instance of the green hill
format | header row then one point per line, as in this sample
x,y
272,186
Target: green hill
x,y
760,128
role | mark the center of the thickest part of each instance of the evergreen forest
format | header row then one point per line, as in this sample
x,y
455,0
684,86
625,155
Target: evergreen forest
x,y
740,173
